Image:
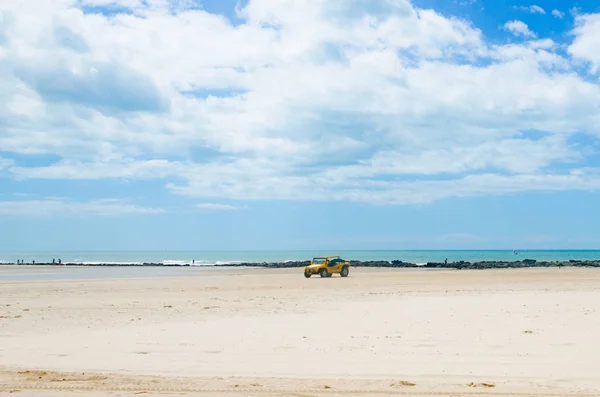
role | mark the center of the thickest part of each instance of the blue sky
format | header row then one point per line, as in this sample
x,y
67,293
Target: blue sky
x,y
264,124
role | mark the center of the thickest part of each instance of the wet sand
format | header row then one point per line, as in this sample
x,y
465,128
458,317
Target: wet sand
x,y
260,332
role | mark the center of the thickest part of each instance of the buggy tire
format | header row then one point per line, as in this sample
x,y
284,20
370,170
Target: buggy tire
x,y
323,273
345,271
307,275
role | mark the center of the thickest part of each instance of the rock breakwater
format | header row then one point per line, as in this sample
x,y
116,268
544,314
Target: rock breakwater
x,y
460,265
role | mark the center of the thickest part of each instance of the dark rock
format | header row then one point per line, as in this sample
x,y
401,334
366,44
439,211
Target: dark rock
x,y
459,265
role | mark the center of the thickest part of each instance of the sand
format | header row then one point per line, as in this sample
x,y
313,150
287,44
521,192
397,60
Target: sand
x,y
262,332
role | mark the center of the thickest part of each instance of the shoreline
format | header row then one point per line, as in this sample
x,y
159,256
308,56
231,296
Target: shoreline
x,y
458,265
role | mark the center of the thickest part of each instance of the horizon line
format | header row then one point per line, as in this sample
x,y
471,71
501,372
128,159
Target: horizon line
x,y
311,250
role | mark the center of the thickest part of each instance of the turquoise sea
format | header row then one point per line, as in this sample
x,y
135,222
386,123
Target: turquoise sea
x,y
208,258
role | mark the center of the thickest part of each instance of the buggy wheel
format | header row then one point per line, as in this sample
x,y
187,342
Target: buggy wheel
x,y
323,273
307,275
345,271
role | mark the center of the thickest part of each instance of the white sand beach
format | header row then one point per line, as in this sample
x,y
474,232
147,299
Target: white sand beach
x,y
272,332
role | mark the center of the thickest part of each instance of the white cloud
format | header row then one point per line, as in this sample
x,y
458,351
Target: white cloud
x,y
558,14
537,9
465,2
534,9
5,163
56,206
586,45
124,169
216,207
353,100
403,191
518,28
480,185
515,155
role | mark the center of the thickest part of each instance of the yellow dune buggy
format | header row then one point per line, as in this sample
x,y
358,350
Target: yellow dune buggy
x,y
326,266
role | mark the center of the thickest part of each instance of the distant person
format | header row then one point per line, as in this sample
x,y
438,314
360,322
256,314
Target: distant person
x,y
33,262
59,261
193,261
53,261
446,261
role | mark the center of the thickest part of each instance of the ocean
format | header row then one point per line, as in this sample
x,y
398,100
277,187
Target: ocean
x,y
210,258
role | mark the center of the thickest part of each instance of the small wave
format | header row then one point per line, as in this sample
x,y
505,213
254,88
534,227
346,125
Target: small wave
x,y
176,262
96,263
158,262
199,262
213,263
228,262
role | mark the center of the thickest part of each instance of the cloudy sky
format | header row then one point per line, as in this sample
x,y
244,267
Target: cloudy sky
x,y
299,124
